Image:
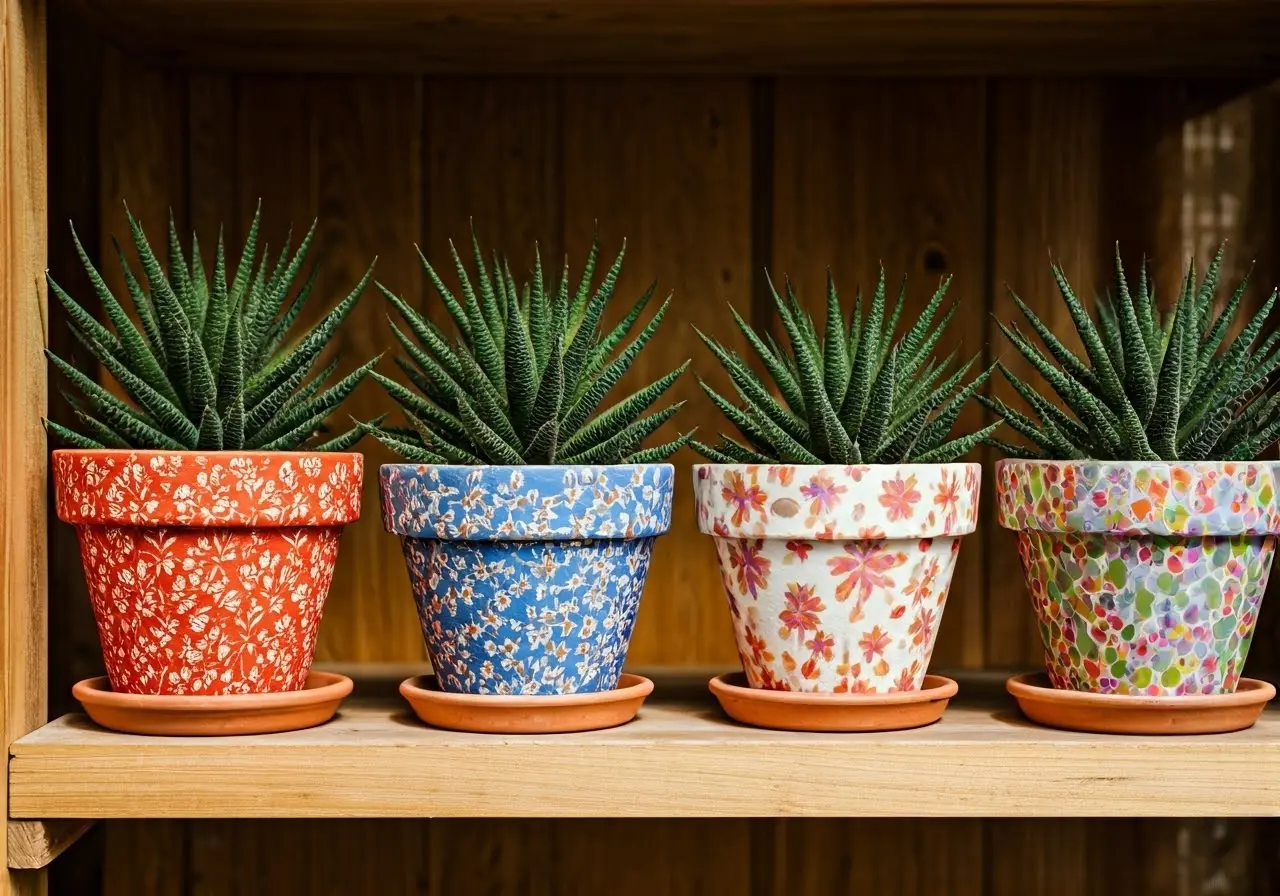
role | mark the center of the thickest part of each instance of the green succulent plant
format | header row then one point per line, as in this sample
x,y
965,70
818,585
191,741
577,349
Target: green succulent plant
x,y
850,396
209,367
1149,387
523,382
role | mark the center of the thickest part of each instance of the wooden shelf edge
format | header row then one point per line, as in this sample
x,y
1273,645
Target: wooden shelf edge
x,y
34,844
1198,38
680,758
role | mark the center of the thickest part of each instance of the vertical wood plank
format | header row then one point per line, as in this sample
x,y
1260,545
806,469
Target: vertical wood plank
x,y
493,159
877,856
667,164
893,173
503,856
74,153
74,86
638,857
368,139
211,140
1047,176
144,162
145,858
1169,857
23,318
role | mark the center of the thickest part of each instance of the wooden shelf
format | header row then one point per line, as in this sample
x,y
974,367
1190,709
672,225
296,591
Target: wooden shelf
x,y
1190,37
681,757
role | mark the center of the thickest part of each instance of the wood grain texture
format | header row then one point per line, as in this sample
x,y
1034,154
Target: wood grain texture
x,y
866,856
34,844
667,165
1216,37
681,757
23,401
1046,179
368,177
148,858
892,173
1169,857
75,90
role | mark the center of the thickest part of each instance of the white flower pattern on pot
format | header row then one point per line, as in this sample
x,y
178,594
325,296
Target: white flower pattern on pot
x,y
208,572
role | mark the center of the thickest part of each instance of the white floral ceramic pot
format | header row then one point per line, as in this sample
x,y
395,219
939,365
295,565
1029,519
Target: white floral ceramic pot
x,y
836,575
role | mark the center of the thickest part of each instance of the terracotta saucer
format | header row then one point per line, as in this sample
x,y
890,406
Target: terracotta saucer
x,y
798,711
1124,714
314,705
503,714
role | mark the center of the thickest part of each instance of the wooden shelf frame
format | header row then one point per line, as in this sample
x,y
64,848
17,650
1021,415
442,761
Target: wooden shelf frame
x,y
681,757
1201,38
23,454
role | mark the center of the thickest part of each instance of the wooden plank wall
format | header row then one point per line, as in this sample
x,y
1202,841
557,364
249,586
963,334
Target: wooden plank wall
x,y
711,181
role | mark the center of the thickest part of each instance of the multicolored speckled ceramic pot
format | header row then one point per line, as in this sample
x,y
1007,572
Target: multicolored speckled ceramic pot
x,y
1146,578
836,576
527,579
208,570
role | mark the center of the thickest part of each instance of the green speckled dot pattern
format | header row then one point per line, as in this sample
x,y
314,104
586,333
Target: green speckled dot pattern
x,y
1151,615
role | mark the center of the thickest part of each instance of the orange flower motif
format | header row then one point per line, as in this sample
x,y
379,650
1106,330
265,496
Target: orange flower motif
x,y
907,678
800,548
865,567
900,497
823,493
922,626
873,643
801,612
745,499
820,645
782,475
948,497
751,566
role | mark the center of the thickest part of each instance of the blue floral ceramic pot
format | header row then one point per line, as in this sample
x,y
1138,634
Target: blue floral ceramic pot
x,y
527,579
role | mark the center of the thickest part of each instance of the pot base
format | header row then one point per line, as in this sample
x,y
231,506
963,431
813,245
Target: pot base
x,y
515,714
801,711
215,716
1123,714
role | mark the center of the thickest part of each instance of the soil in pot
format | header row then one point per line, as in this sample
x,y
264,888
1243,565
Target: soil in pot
x,y
208,571
1146,578
836,576
527,579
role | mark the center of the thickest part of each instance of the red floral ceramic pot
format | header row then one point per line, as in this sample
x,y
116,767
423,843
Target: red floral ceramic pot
x,y
208,572
837,575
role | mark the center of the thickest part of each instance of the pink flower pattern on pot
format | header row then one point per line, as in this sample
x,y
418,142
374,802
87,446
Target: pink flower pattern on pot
x,y
1145,578
208,571
836,576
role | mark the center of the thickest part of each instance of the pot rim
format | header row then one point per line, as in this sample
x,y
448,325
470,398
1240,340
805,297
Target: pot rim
x,y
864,511
331,493
522,467
635,502
1178,498
1214,465
954,465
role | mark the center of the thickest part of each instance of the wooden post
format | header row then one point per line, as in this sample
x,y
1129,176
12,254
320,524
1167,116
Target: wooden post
x,y
23,454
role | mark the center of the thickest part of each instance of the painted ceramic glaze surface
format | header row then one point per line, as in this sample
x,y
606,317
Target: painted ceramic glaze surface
x,y
1145,578
208,573
527,579
836,576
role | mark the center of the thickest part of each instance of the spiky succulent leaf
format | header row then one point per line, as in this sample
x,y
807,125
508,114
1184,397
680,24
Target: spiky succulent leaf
x,y
525,380
197,374
1185,396
883,414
